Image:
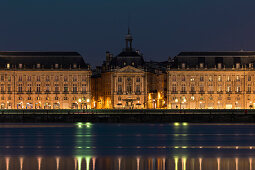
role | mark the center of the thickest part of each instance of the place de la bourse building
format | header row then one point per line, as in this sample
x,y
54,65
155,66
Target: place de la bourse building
x,y
191,80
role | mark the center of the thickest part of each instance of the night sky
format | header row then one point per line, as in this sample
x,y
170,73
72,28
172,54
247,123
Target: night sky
x,y
160,28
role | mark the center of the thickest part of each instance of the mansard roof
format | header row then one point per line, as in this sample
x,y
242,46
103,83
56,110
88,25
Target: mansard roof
x,y
47,60
218,53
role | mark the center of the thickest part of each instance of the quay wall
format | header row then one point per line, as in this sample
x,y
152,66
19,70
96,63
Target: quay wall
x,y
128,116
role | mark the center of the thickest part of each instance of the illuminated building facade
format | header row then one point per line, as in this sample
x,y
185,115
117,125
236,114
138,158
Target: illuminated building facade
x,y
211,80
126,81
44,80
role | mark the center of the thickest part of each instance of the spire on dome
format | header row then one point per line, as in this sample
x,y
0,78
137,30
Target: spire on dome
x,y
129,40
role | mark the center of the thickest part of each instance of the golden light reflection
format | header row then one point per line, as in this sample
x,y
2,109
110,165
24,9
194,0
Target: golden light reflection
x,y
39,161
184,160
236,161
176,163
94,163
7,162
200,163
250,163
218,163
79,161
119,162
138,163
57,162
21,160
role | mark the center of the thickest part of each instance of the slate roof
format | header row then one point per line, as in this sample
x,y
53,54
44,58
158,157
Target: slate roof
x,y
47,60
218,53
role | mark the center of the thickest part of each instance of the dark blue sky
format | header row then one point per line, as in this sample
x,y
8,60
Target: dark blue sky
x,y
160,28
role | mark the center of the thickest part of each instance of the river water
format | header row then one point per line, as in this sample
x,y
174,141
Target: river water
x,y
95,146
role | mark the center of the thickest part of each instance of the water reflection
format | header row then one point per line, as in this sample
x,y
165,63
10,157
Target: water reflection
x,y
127,163
87,146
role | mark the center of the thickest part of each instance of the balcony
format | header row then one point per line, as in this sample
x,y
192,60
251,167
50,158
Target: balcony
x,y
138,93
248,92
174,92
183,92
201,92
65,92
228,92
210,92
192,92
238,92
220,92
74,92
119,92
56,92
38,92
28,92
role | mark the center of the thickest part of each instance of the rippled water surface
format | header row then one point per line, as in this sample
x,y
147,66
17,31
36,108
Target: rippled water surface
x,y
89,146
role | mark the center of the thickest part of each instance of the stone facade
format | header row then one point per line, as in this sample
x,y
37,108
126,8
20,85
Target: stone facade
x,y
63,85
225,84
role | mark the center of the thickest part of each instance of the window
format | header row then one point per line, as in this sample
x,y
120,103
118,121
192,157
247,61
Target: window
x,y
84,88
2,88
173,78
56,66
47,88
47,78
201,78
28,78
219,88
174,88
238,89
192,88
228,88
249,78
29,87
138,79
65,87
183,78
65,98
192,79
9,78
192,98
56,98
20,88
237,78
20,78
83,78
119,79
20,65
228,78
9,87
74,78
119,98
56,88
38,65
210,78
219,78
47,98
29,98
129,85
249,88
65,78
2,77
201,88
8,66
38,88
138,89
38,78
210,88
183,88
74,65
74,87
56,78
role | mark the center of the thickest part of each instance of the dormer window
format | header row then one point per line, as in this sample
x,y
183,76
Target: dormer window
x,y
183,65
56,66
74,65
219,66
133,63
38,65
124,63
201,65
20,65
237,65
8,66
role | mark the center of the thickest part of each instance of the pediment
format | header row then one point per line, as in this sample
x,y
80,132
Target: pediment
x,y
130,69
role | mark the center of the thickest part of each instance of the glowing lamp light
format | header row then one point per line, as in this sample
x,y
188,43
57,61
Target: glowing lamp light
x,y
88,100
79,100
185,124
176,124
